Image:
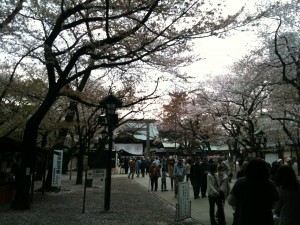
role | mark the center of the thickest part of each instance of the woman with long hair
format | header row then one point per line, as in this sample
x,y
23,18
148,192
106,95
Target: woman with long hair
x,y
288,206
254,195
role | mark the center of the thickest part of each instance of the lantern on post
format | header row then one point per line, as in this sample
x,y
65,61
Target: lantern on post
x,y
260,141
110,103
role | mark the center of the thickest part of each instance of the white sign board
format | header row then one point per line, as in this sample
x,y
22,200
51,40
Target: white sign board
x,y
184,209
57,168
134,149
99,174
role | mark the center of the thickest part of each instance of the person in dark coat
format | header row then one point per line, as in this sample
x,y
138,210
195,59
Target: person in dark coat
x,y
204,169
143,166
254,195
148,164
195,177
125,164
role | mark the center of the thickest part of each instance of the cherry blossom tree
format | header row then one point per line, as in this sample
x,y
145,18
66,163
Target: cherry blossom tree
x,y
73,41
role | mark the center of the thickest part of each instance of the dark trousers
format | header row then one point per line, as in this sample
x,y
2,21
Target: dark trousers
x,y
154,183
203,185
131,172
196,189
172,182
221,216
143,171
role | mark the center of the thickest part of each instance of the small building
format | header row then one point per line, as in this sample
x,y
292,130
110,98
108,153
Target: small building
x,y
137,137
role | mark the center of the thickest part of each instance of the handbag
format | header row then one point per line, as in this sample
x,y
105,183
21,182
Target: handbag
x,y
221,193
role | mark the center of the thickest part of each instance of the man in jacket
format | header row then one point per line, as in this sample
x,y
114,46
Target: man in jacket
x,y
179,174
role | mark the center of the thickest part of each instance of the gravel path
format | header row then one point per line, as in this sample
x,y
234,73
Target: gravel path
x,y
131,204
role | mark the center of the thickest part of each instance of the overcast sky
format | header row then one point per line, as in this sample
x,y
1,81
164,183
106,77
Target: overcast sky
x,y
218,54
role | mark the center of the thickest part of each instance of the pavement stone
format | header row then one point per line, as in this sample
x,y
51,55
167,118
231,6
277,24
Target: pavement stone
x,y
131,204
199,207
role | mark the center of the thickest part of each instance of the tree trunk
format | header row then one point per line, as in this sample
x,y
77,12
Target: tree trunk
x,y
23,178
79,178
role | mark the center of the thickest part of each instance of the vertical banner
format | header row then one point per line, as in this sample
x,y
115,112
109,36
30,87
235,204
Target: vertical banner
x,y
56,168
184,204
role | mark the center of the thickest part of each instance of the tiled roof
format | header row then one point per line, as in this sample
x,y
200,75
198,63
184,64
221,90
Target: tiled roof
x,y
139,129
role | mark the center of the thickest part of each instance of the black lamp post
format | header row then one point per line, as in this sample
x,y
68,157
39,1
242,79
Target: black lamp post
x,y
260,140
109,103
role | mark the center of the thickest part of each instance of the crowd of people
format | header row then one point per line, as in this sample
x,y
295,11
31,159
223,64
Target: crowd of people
x,y
263,194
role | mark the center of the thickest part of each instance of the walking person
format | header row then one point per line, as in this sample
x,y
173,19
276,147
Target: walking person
x,y
224,185
254,195
227,168
143,166
171,164
126,164
195,178
179,174
148,164
138,166
154,174
288,206
223,180
204,169
164,164
131,165
214,197
163,178
188,169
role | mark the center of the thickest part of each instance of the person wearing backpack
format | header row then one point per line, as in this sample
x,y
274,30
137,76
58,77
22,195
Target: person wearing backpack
x,y
154,174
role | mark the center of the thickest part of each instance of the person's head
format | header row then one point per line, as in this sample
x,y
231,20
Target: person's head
x,y
257,170
221,169
286,178
213,168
